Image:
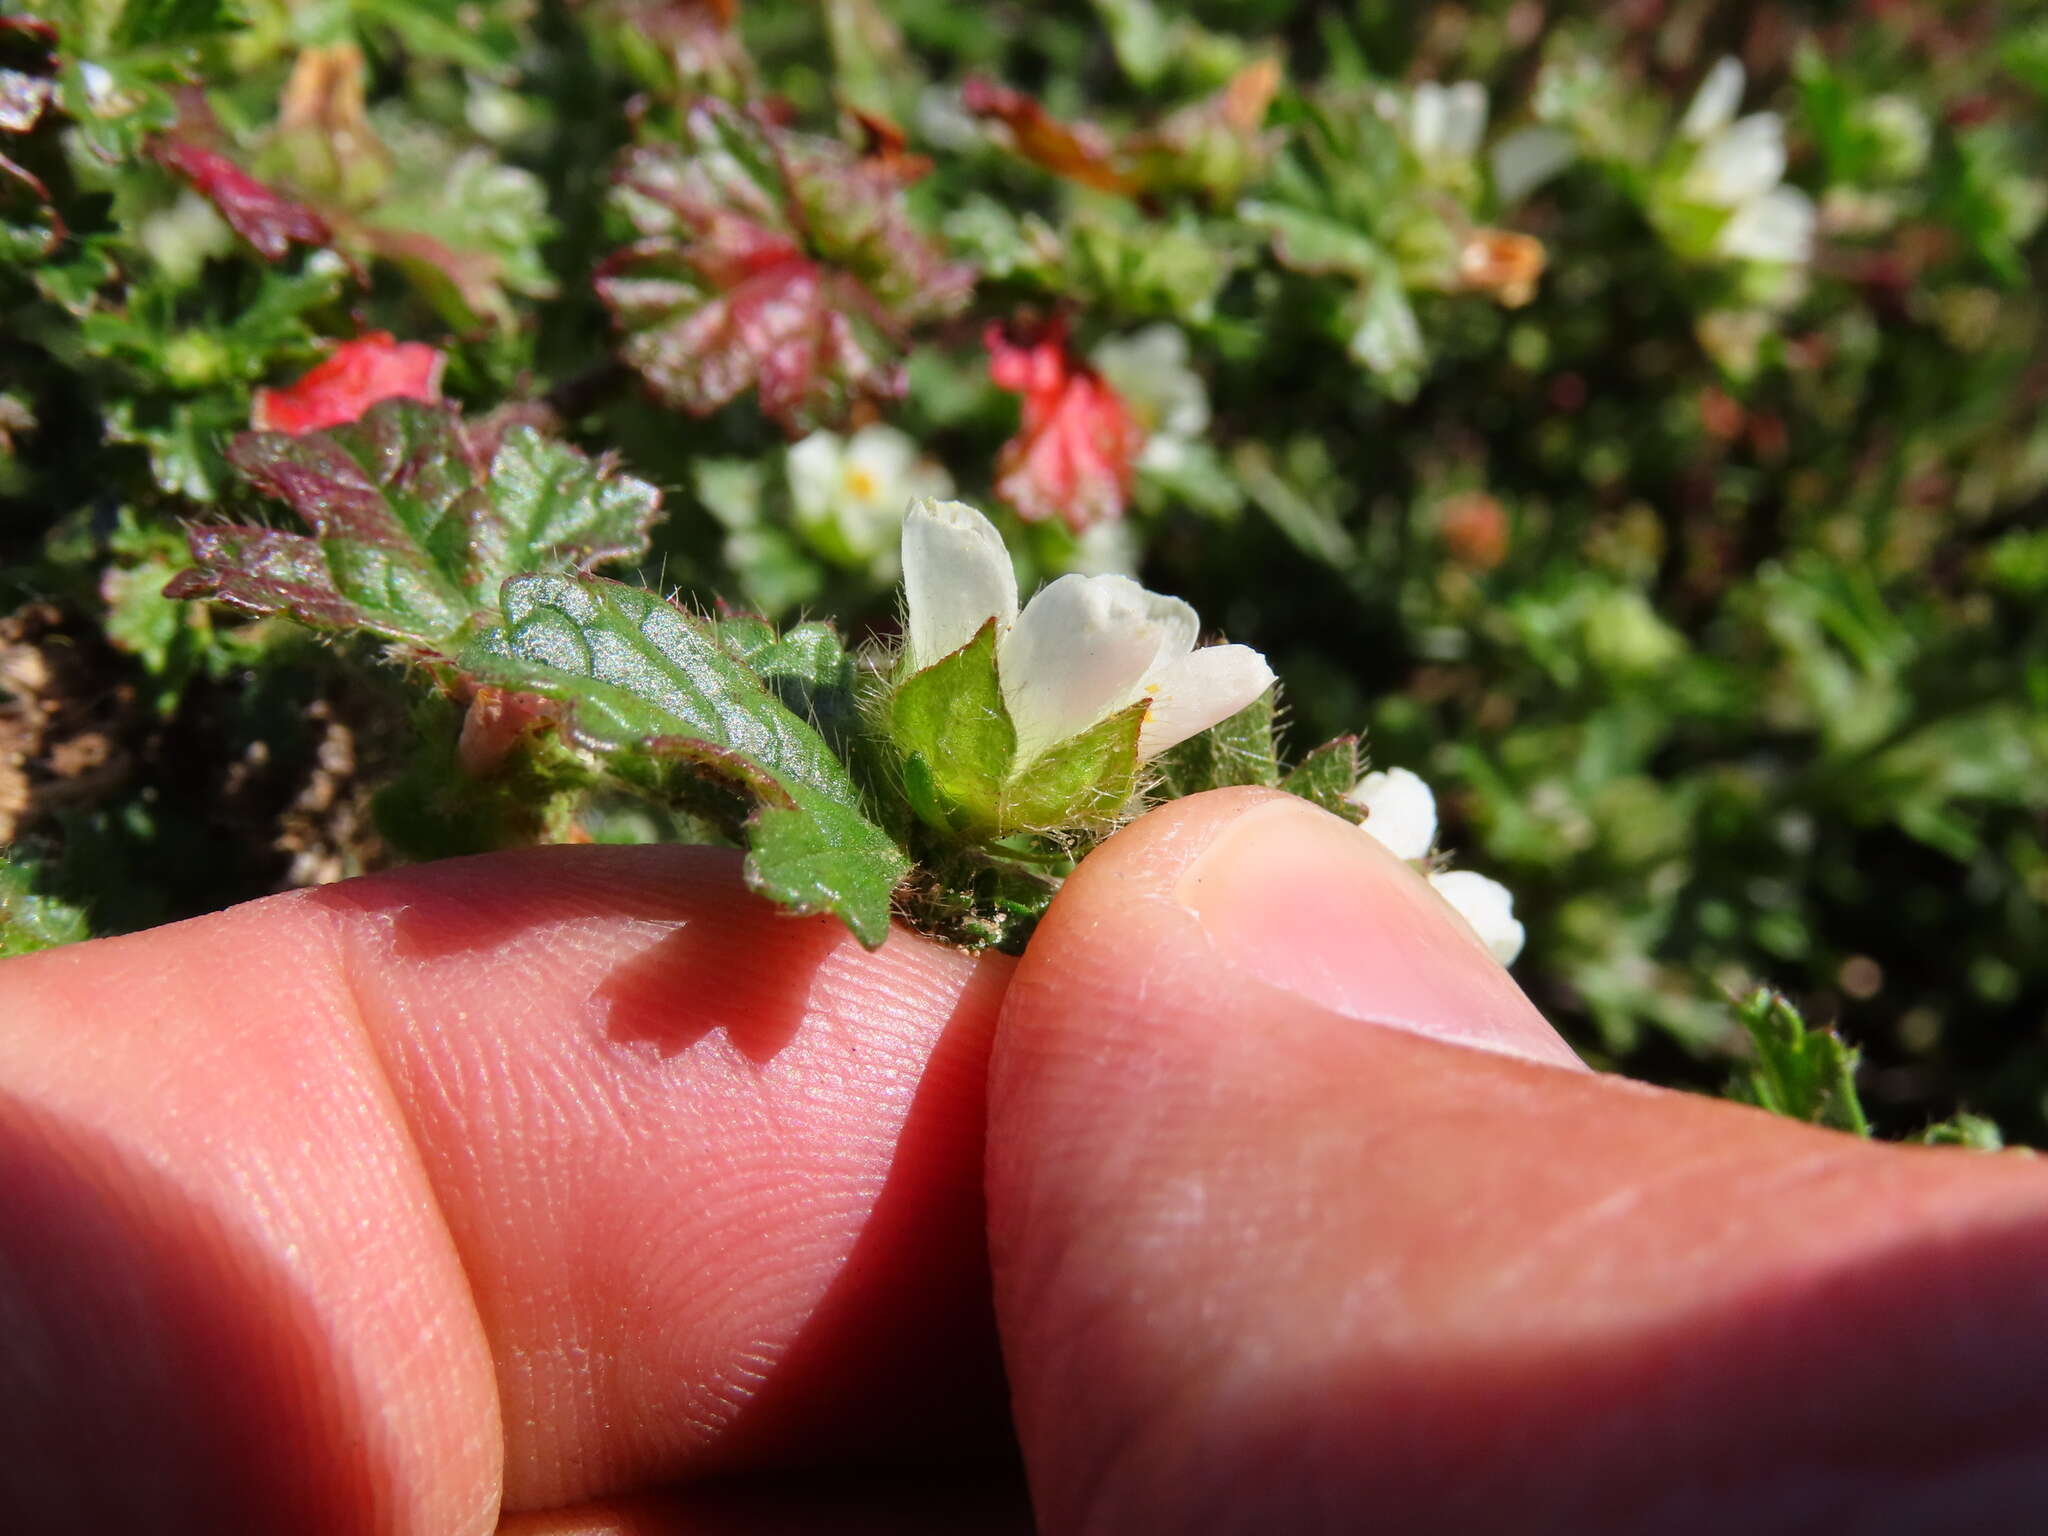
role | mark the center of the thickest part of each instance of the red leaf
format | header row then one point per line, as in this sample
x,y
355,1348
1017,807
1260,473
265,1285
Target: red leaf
x,y
1078,151
261,215
1211,147
770,260
353,378
1074,454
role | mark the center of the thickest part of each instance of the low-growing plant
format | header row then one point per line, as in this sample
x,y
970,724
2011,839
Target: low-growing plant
x,y
1611,440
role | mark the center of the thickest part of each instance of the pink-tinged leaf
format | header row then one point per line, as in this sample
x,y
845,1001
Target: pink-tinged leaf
x,y
260,570
353,377
412,532
773,261
261,215
1077,446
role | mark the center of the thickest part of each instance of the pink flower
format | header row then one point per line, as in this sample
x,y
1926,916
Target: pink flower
x,y
1074,453
354,377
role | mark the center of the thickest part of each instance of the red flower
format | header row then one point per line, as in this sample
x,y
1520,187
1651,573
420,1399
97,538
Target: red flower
x,y
355,376
1072,458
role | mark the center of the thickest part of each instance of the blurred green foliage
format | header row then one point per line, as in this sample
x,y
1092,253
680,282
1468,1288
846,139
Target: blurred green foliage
x,y
1709,587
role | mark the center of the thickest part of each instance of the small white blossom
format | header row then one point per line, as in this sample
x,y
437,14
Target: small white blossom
x,y
1446,122
1739,166
1083,649
850,493
1149,370
1487,906
1399,810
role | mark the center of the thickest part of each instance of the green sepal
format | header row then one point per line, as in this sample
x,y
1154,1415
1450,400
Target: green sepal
x,y
1082,781
639,677
1239,750
1326,775
949,721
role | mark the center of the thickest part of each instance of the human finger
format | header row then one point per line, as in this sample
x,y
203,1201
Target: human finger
x,y
1302,1220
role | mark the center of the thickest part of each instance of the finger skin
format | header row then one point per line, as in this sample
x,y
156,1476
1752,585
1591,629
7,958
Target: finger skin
x,y
1264,1265
552,1175
989,1504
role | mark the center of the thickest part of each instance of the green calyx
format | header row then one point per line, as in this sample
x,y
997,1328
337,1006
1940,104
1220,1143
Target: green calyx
x,y
958,749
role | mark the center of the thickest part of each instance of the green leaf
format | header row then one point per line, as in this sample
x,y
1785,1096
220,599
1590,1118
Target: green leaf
x,y
162,23
1804,1074
1085,779
411,535
1977,1132
1308,242
807,667
30,920
950,720
1326,775
1239,750
637,674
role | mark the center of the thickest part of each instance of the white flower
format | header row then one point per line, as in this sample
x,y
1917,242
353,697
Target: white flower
x,y
1149,369
1714,103
1446,122
1399,810
850,493
1739,166
1487,906
1083,649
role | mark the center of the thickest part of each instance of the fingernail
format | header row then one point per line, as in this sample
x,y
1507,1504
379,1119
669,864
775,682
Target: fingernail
x,y
1309,904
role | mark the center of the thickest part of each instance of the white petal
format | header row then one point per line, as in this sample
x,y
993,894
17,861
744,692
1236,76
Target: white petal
x,y
1743,161
1527,158
956,577
1464,119
1775,227
1714,103
813,468
1193,693
1083,649
1427,114
1399,810
1487,906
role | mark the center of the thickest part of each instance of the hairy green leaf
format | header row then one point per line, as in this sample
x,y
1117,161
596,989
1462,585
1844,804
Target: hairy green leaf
x,y
1805,1074
412,535
635,673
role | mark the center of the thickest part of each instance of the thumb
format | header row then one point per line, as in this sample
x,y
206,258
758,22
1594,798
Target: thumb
x,y
1302,1219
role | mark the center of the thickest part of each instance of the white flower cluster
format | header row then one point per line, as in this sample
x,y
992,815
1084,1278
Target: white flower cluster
x,y
1400,811
1738,164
